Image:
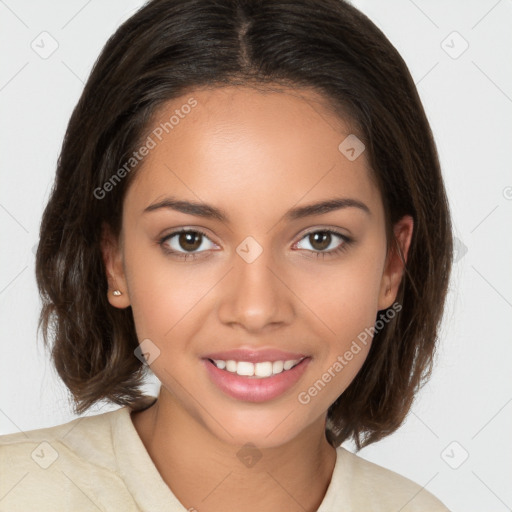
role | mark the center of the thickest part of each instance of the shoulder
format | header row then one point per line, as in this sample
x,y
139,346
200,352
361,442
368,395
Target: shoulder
x,y
377,488
65,462
76,438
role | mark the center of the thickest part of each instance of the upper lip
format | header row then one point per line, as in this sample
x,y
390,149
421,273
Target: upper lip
x,y
255,356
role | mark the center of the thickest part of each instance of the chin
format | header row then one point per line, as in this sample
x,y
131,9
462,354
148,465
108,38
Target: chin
x,y
263,429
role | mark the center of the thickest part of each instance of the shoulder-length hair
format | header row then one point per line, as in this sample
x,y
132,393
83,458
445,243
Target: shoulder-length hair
x,y
170,47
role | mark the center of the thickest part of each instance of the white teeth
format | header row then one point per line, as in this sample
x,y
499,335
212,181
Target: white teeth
x,y
263,369
277,367
231,366
288,365
258,370
220,364
244,368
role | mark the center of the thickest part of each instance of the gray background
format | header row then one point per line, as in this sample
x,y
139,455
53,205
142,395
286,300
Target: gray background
x,y
465,410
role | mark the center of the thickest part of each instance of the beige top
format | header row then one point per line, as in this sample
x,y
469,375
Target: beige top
x,y
99,463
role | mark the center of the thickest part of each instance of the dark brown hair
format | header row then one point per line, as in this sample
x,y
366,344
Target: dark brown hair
x,y
171,47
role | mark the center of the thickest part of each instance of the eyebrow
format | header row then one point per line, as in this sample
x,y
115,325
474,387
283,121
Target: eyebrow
x,y
299,212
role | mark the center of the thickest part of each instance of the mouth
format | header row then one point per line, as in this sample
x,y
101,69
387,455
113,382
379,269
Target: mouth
x,y
255,381
260,370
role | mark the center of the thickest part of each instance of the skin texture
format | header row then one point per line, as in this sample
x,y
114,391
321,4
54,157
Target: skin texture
x,y
255,155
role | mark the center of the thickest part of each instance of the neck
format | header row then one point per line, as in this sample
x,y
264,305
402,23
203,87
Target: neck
x,y
208,473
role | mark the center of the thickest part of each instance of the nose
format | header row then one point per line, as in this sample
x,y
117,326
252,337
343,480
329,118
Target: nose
x,y
255,295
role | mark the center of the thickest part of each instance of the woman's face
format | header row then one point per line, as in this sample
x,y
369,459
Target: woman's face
x,y
271,279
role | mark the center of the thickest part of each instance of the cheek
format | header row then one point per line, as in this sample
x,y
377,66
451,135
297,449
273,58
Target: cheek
x,y
344,296
345,307
163,293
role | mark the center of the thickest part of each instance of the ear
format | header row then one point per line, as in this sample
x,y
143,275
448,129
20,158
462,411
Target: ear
x,y
111,250
394,266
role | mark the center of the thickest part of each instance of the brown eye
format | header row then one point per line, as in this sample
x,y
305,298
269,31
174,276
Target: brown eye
x,y
190,241
320,240
186,242
325,242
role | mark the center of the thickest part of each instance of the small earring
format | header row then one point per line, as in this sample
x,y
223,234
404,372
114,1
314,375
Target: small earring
x,y
117,293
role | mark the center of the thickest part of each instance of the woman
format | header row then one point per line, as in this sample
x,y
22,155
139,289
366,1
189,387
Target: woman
x,y
249,201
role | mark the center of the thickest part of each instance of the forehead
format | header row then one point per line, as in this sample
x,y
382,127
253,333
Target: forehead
x,y
260,147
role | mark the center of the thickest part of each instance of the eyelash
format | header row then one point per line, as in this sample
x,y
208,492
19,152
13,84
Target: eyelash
x,y
347,241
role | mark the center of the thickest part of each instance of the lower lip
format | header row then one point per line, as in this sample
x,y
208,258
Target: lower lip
x,y
252,389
